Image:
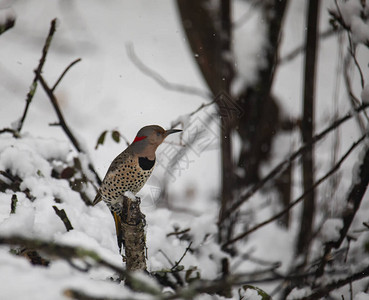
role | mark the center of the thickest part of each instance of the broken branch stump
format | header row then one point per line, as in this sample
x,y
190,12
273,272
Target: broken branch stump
x,y
133,234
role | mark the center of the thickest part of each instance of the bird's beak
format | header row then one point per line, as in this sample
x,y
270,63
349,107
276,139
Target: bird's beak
x,y
170,131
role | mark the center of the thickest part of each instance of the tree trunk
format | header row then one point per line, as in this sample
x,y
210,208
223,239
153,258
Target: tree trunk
x,y
307,129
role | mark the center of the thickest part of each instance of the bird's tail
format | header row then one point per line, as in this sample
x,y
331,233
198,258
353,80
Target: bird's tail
x,y
117,221
118,228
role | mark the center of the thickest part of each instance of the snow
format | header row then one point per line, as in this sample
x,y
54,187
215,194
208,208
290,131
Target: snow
x,y
248,52
361,296
251,295
360,30
93,227
299,293
25,161
104,91
18,277
353,14
331,230
130,195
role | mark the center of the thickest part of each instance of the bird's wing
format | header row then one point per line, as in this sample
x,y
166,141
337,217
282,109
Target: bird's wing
x,y
97,199
119,160
112,171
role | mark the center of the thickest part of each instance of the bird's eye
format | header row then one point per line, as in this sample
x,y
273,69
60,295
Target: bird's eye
x,y
158,133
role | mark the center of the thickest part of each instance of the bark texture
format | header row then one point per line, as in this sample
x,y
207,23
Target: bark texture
x,y
133,230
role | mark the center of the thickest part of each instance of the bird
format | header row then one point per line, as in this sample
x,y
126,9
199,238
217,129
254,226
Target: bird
x,y
130,170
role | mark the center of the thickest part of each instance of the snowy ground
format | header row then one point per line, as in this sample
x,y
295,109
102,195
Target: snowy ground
x,y
107,91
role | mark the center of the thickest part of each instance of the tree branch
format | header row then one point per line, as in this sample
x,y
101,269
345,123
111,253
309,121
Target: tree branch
x,y
353,203
284,164
65,72
63,216
292,204
9,23
324,291
62,122
184,254
61,251
300,49
38,71
160,79
10,130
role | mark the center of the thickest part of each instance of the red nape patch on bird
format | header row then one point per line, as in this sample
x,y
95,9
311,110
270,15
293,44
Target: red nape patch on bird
x,y
139,138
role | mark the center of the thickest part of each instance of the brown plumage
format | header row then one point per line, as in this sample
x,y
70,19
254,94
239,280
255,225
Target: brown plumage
x,y
130,170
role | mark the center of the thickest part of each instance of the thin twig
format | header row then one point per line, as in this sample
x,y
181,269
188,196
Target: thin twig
x,y
351,44
166,256
202,106
10,130
65,72
63,124
292,204
179,232
300,49
354,199
68,253
284,164
160,79
326,289
63,216
352,51
7,24
62,251
354,101
81,295
125,139
38,71
184,254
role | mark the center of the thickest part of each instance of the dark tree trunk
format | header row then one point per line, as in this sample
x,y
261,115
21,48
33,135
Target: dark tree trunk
x,y
307,128
209,34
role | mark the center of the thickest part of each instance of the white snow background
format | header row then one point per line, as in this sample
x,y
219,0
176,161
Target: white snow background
x,y
107,91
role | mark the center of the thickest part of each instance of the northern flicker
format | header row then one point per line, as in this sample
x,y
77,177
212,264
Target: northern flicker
x,y
130,170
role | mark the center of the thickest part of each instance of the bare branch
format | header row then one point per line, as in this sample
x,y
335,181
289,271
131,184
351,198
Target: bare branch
x,y
179,232
10,130
202,106
63,216
61,251
62,122
161,80
184,254
9,23
354,199
292,204
65,72
326,289
125,139
33,86
300,49
80,295
281,166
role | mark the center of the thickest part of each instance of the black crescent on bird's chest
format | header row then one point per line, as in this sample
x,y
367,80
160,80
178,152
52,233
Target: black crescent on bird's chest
x,y
145,163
